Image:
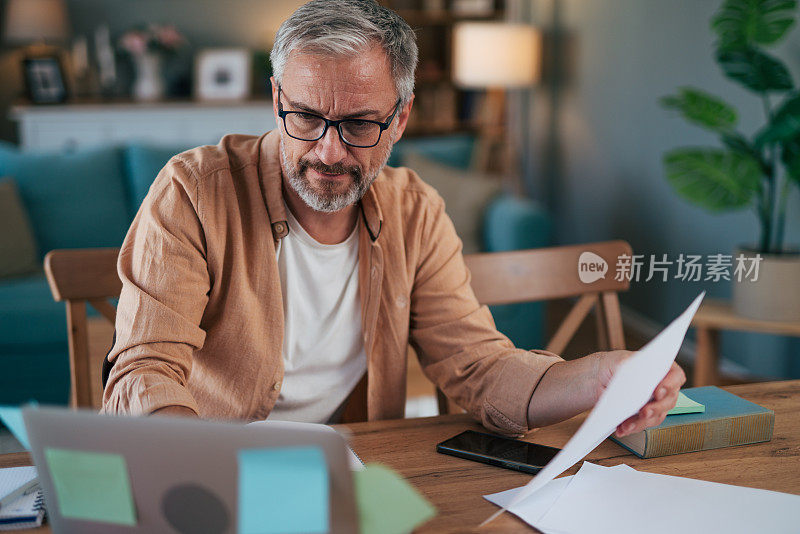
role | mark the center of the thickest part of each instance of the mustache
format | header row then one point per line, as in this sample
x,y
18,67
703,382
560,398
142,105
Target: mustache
x,y
337,168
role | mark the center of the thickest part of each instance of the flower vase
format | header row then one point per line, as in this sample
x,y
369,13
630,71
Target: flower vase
x,y
149,84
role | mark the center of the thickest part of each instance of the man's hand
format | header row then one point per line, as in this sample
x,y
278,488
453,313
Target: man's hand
x,y
175,411
662,401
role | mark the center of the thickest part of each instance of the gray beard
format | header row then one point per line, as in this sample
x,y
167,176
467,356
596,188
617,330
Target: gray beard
x,y
330,202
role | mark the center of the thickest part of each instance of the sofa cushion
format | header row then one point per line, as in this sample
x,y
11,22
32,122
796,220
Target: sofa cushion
x,y
40,374
142,165
18,253
466,196
75,200
28,314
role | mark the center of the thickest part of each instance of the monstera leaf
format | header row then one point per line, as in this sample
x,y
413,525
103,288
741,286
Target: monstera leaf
x,y
712,178
702,109
754,69
785,123
740,23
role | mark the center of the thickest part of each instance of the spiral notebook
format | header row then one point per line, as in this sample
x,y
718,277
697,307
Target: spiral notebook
x,y
27,510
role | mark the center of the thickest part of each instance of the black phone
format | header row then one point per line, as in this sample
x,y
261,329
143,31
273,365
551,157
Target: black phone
x,y
498,451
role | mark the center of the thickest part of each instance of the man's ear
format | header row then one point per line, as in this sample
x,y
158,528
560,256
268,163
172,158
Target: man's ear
x,y
402,118
274,97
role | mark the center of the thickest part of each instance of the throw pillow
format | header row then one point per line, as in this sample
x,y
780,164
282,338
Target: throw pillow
x,y
17,245
466,196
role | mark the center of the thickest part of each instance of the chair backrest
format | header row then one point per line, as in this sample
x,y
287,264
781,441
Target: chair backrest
x,y
78,276
553,273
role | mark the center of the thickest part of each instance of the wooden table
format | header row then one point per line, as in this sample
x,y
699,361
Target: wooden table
x,y
456,486
716,315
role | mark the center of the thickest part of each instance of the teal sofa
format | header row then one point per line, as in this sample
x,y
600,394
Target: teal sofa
x,y
89,198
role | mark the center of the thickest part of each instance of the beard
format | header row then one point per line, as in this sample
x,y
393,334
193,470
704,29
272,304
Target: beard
x,y
326,198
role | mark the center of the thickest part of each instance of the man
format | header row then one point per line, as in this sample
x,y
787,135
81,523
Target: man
x,y
272,277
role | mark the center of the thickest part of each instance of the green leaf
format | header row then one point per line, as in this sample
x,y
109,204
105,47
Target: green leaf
x,y
713,178
703,109
790,156
784,125
748,22
754,69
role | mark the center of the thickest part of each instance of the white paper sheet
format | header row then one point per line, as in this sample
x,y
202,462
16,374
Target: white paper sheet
x,y
533,508
628,501
630,388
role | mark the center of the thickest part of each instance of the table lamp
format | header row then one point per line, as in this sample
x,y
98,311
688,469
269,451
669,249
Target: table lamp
x,y
36,21
495,56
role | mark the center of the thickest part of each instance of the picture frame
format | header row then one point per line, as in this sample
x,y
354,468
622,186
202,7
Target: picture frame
x,y
44,79
223,74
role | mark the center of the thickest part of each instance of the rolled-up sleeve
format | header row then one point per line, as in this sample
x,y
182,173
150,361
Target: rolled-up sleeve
x,y
165,285
456,340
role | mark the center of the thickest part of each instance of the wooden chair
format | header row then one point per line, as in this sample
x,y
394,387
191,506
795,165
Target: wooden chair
x,y
549,274
78,276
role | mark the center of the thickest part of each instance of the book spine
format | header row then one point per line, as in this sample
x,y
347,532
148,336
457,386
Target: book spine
x,y
727,432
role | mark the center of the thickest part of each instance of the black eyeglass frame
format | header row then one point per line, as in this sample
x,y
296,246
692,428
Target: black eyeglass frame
x,y
337,124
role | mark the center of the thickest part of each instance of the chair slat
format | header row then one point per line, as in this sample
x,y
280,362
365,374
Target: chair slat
x,y
83,273
105,308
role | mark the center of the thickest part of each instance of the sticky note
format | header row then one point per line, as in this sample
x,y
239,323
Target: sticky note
x,y
686,405
93,486
283,490
387,504
12,419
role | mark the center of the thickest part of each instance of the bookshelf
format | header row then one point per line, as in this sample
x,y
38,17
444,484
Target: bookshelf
x,y
441,108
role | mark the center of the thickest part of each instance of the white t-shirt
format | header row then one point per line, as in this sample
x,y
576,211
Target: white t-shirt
x,y
323,351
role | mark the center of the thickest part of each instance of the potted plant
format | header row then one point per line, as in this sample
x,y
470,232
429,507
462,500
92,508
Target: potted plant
x,y
756,171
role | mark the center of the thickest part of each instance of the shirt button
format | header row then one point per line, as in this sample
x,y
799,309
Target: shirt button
x,y
279,228
277,386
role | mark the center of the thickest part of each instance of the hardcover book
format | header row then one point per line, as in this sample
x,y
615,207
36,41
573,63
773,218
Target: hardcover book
x,y
727,421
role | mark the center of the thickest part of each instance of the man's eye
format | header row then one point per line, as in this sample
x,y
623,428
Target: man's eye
x,y
356,125
307,117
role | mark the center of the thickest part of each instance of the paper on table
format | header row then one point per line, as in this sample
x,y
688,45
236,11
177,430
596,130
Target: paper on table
x,y
686,405
12,418
535,506
353,460
630,388
387,504
634,502
283,490
92,485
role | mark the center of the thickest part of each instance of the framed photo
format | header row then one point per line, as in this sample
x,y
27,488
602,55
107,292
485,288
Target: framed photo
x,y
223,74
44,79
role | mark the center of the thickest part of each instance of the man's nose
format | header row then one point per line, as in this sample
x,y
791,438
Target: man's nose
x,y
330,148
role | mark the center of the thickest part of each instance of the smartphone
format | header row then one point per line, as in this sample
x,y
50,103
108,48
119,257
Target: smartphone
x,y
498,451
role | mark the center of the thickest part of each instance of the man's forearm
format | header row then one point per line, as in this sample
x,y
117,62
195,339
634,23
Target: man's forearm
x,y
567,389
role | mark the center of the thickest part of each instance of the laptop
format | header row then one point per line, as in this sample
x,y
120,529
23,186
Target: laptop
x,y
183,472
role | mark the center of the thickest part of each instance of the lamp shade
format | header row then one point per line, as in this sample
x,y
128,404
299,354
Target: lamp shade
x,y
495,54
36,20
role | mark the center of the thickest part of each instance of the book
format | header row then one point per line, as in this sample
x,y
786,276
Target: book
x,y
14,482
728,420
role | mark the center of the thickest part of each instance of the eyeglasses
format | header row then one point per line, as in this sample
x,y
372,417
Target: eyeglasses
x,y
359,133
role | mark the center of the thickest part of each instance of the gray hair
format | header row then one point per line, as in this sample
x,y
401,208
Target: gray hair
x,y
343,27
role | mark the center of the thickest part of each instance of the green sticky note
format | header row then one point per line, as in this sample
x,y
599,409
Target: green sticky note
x,y
283,490
93,486
686,405
12,419
387,504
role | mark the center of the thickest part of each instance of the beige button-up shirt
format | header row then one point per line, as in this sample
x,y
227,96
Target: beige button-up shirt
x,y
200,317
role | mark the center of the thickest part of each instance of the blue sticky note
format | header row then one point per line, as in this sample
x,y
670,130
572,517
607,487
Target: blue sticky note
x,y
12,419
283,490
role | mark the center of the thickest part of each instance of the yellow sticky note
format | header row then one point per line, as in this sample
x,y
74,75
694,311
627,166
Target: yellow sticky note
x,y
93,486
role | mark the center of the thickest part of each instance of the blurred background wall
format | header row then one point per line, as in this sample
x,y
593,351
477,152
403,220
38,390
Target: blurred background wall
x,y
598,163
